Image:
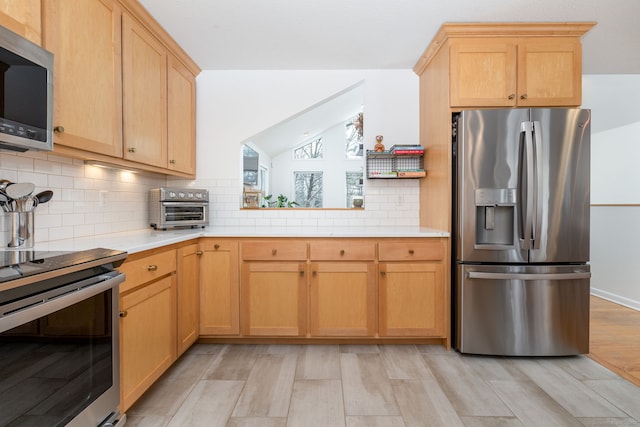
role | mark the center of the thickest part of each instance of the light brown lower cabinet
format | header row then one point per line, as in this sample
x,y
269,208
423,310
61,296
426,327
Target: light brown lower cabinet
x,y
411,299
188,295
148,321
342,299
274,298
147,337
219,287
412,288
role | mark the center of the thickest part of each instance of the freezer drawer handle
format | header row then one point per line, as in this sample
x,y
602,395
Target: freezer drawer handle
x,y
526,276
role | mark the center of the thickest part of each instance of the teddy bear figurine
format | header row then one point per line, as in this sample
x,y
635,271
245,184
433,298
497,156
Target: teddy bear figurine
x,y
379,147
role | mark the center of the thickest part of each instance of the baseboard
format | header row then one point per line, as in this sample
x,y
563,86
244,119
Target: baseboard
x,y
635,305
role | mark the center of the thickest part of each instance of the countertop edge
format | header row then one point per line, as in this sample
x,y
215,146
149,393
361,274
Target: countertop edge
x,y
146,239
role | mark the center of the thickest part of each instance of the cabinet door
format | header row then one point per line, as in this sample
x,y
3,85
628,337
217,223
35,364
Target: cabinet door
x,y
188,278
181,117
147,337
342,299
550,72
220,288
483,73
274,298
22,17
84,36
144,74
412,300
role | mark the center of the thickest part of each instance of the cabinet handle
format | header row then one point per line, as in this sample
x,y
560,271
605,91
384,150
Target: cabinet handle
x,y
410,251
152,268
123,313
341,252
198,252
383,273
173,162
523,96
131,149
274,251
512,96
216,246
59,129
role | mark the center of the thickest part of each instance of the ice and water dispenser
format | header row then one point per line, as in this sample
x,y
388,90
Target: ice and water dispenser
x,y
495,216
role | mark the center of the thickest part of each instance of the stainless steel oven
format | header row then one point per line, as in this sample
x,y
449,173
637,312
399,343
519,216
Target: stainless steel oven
x,y
178,208
59,340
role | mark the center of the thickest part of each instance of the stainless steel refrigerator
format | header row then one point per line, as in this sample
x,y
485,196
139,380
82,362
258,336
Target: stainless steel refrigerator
x,y
521,231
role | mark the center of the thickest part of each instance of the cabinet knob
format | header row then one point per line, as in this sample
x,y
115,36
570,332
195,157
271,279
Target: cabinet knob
x,y
341,251
58,129
216,246
523,96
152,267
512,96
173,162
274,251
301,273
131,149
123,313
383,273
198,252
411,252
314,273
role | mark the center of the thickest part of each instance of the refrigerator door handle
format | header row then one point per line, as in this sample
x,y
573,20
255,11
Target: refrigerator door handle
x,y
528,276
527,129
537,149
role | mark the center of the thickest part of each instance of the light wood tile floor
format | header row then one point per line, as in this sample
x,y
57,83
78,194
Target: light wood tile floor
x,y
386,386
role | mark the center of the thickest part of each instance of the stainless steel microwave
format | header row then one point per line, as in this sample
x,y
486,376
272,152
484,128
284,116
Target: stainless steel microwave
x,y
26,94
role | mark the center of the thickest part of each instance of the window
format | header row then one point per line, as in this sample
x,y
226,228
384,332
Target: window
x,y
354,186
354,139
308,188
250,163
310,150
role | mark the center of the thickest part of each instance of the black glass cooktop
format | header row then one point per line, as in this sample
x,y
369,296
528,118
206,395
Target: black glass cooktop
x,y
24,263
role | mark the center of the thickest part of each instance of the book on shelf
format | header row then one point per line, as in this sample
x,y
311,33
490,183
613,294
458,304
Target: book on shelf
x,y
412,174
407,149
390,174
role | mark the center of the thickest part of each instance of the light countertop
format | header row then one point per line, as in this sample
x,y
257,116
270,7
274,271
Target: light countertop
x,y
145,239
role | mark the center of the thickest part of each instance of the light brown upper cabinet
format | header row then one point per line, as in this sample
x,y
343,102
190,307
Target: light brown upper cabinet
x,y
144,74
489,65
22,17
84,37
516,72
181,117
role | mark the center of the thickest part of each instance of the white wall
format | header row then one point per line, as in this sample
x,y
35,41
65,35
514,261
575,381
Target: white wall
x,y
615,185
234,105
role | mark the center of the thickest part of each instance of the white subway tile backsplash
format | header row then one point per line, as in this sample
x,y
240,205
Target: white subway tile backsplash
x,y
87,200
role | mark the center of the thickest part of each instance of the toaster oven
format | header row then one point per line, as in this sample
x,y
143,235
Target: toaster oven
x,y
178,208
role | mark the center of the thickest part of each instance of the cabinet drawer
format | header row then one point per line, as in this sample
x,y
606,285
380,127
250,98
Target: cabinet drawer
x,y
146,269
274,251
426,250
342,251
